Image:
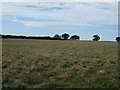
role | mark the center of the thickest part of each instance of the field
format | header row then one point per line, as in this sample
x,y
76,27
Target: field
x,y
59,64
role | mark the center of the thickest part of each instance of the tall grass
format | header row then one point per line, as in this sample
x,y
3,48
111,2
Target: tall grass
x,y
56,64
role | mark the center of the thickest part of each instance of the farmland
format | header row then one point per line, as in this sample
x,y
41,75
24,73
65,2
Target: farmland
x,y
57,64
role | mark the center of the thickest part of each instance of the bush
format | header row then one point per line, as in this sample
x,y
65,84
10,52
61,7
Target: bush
x,y
74,37
96,38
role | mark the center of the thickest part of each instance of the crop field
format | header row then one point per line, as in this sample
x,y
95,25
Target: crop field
x,y
59,64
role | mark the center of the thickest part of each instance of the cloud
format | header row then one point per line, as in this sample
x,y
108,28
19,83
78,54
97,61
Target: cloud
x,y
110,30
62,13
47,6
44,23
59,0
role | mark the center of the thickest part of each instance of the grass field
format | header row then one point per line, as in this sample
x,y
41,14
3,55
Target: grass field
x,y
59,64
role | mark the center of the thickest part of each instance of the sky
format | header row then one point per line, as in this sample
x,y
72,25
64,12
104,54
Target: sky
x,y
49,18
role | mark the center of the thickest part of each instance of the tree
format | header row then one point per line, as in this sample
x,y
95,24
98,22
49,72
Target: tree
x,y
74,37
96,38
65,36
57,36
118,39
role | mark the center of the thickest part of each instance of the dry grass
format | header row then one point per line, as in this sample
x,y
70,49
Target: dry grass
x,y
68,64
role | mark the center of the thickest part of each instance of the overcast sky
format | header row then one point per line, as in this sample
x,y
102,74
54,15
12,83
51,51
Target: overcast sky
x,y
49,18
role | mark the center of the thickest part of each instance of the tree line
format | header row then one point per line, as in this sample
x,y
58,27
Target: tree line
x,y
64,36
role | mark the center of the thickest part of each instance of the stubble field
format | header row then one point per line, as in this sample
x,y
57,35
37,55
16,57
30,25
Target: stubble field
x,y
59,64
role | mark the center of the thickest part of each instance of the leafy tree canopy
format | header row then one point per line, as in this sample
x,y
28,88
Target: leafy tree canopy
x,y
65,36
57,36
74,37
118,39
96,38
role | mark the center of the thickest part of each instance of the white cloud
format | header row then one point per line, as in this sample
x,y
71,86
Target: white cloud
x,y
71,13
41,24
59,0
110,30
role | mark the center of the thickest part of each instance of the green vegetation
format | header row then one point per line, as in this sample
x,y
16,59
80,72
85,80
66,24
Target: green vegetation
x,y
96,38
75,37
57,36
117,39
65,36
55,64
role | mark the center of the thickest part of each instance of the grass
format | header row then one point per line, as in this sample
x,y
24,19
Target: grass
x,y
59,64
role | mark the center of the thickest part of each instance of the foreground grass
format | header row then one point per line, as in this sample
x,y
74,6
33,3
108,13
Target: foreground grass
x,y
55,64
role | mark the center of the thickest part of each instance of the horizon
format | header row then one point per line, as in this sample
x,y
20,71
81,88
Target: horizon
x,y
53,36
47,19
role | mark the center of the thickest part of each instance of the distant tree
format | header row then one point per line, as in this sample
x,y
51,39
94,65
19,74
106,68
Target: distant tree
x,y
65,36
74,37
118,39
96,38
57,36
0,34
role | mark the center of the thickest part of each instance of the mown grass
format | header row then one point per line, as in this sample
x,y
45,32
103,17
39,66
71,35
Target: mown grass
x,y
59,64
